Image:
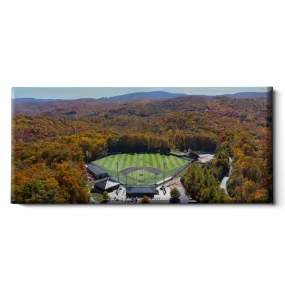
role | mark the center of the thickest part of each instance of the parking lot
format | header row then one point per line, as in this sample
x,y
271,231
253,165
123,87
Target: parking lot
x,y
118,195
174,183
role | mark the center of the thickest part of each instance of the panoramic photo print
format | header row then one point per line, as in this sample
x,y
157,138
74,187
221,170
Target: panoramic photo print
x,y
142,145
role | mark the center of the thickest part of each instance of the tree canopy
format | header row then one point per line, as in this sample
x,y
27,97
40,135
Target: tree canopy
x,y
49,144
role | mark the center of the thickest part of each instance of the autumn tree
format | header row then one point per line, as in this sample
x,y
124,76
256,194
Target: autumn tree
x,y
145,200
174,193
248,188
34,191
106,197
259,196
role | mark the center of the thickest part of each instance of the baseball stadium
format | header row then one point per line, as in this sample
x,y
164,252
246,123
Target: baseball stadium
x,y
141,169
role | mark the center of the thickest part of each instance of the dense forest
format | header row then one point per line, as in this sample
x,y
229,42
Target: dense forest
x,y
50,139
202,181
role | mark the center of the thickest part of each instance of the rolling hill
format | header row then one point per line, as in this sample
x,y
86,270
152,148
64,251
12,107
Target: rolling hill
x,y
144,102
155,95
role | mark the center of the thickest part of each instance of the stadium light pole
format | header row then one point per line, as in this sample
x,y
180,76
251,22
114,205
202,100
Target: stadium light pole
x,y
118,141
164,164
118,163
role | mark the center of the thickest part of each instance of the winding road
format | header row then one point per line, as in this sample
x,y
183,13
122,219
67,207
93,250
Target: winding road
x,y
224,181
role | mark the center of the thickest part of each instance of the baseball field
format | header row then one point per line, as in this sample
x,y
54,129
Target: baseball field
x,y
141,169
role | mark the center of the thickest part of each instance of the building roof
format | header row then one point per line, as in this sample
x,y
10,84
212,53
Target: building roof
x,y
165,180
140,190
107,184
115,179
96,170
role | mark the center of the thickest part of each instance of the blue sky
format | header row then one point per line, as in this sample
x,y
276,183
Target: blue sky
x,y
98,92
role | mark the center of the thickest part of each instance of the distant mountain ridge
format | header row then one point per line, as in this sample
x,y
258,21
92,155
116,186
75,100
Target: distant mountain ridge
x,y
152,95
250,95
32,100
143,103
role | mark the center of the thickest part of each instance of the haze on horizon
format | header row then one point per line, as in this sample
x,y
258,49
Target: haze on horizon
x,y
99,92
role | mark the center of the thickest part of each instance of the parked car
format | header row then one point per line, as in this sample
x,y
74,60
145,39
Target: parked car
x,y
190,200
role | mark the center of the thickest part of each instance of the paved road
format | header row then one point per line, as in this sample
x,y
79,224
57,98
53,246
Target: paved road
x,y
224,181
179,186
223,184
91,200
206,157
183,197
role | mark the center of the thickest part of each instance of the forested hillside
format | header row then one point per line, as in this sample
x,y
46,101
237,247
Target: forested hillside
x,y
49,141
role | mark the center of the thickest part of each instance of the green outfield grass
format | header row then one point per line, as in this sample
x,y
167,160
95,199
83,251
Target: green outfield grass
x,y
141,177
97,196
